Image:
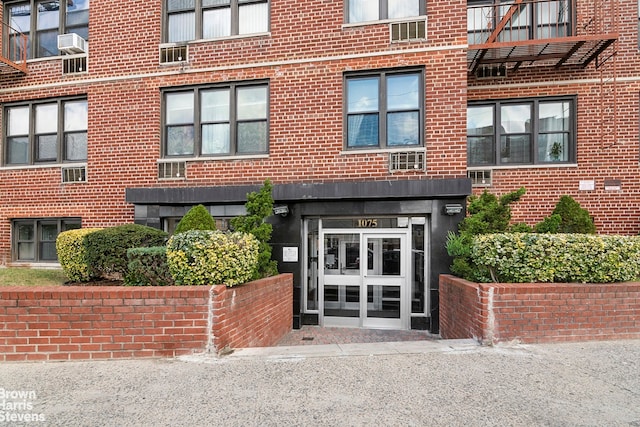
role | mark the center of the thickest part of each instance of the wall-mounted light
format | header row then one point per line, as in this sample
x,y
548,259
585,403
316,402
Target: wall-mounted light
x,y
452,209
282,210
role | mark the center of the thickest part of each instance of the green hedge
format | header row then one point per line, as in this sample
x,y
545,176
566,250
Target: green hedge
x,y
576,258
202,257
107,248
148,267
197,218
72,254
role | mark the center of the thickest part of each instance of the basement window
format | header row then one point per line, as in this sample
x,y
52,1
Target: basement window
x,y
34,240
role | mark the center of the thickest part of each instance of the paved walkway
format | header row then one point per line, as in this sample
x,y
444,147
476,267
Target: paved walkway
x,y
315,335
410,383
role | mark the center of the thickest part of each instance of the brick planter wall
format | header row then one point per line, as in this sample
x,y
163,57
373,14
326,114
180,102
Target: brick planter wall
x,y
253,315
538,312
95,322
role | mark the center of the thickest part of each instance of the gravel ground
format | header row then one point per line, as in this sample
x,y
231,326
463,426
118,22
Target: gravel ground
x,y
433,384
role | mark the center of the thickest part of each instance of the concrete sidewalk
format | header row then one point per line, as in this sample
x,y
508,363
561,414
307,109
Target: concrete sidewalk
x,y
426,383
343,350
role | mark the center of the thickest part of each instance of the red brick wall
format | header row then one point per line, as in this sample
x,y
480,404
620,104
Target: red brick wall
x,y
607,130
539,312
460,313
257,314
304,59
113,322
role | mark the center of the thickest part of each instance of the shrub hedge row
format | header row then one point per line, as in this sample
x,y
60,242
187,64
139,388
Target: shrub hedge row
x,y
204,257
197,257
577,258
72,254
148,267
107,248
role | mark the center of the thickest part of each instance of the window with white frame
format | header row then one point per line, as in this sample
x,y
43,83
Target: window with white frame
x,y
216,120
384,109
375,10
34,240
521,132
42,21
52,131
207,19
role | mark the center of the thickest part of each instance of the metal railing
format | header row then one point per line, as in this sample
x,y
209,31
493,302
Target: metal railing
x,y
520,20
16,48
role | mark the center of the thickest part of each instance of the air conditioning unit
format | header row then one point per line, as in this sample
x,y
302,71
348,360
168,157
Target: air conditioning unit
x,y
71,43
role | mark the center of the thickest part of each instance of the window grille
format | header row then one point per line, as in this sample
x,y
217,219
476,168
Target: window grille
x,y
480,178
408,31
74,174
74,64
172,170
170,54
491,72
407,161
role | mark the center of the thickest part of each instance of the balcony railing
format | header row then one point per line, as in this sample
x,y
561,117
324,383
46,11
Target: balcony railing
x,y
524,32
517,21
16,50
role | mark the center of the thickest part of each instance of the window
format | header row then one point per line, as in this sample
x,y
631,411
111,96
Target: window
x,y
217,120
521,132
46,132
375,10
43,20
34,240
534,20
206,19
384,110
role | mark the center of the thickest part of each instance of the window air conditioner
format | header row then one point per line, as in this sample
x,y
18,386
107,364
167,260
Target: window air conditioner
x,y
71,43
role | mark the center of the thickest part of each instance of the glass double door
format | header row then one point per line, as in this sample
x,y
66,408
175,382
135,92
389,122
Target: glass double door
x,y
364,283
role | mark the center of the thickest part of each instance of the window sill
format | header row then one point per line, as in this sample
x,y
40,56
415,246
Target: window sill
x,y
537,166
382,21
43,166
382,150
214,158
35,264
216,39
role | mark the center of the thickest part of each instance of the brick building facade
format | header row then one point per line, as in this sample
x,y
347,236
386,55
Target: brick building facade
x,y
356,110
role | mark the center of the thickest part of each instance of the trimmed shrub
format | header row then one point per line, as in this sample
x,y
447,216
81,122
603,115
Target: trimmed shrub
x,y
197,218
203,257
72,254
259,207
550,224
575,258
148,267
107,248
567,217
487,214
574,219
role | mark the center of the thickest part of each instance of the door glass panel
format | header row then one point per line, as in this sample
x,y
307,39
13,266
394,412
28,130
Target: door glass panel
x,y
312,265
383,301
342,275
342,300
386,256
418,269
341,254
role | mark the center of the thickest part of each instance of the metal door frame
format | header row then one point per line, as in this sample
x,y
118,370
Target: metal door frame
x,y
362,321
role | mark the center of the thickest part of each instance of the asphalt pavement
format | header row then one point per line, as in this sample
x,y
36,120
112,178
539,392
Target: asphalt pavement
x,y
426,383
